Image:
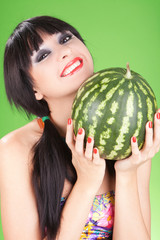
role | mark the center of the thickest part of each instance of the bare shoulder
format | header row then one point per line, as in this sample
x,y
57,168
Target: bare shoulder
x,y
20,140
15,147
24,135
18,204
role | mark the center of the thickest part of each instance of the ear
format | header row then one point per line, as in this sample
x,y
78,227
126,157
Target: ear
x,y
38,95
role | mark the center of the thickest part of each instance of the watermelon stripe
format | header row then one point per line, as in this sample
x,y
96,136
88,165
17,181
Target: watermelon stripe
x,y
126,153
126,123
139,124
84,85
103,87
85,111
105,135
130,85
113,153
83,98
111,120
80,125
142,88
91,78
155,104
108,96
108,72
105,80
121,92
92,128
130,107
112,109
141,145
148,88
135,88
139,101
150,109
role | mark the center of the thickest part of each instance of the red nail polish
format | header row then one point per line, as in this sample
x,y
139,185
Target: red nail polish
x,y
134,139
95,150
158,115
89,140
150,124
69,121
80,131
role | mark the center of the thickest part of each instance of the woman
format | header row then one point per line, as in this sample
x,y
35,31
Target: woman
x,y
51,187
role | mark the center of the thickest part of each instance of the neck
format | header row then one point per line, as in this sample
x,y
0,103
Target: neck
x,y
60,111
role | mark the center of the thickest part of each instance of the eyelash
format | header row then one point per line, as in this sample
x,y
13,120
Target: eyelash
x,y
43,56
66,37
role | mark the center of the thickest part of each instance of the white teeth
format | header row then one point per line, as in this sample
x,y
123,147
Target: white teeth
x,y
70,69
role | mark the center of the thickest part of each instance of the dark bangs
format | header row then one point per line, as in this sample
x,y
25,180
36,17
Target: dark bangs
x,y
17,59
27,35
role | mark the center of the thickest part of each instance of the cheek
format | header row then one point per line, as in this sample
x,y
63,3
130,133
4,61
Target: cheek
x,y
42,76
90,65
89,60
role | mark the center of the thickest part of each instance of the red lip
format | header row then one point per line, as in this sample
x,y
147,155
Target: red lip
x,y
70,63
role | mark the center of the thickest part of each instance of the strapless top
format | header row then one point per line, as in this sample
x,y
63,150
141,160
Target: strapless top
x,y
99,224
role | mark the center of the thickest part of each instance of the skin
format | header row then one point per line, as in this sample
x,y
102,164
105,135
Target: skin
x,y
58,90
131,184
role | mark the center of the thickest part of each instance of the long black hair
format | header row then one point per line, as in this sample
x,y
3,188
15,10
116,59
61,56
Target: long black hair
x,y
52,158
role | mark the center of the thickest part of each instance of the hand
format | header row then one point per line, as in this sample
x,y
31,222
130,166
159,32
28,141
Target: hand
x,y
89,166
150,148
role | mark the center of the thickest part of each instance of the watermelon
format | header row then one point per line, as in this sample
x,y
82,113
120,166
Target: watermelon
x,y
112,106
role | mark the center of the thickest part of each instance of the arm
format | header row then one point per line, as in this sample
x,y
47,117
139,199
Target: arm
x,y
78,205
129,223
18,205
144,171
143,182
132,203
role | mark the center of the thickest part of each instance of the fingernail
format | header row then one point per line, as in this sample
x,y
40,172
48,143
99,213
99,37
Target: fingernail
x,y
134,139
95,150
89,140
158,115
69,121
80,131
150,124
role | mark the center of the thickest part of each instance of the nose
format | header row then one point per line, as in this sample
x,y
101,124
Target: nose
x,y
64,52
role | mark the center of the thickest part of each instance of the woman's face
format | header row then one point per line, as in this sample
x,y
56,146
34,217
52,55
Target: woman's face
x,y
60,66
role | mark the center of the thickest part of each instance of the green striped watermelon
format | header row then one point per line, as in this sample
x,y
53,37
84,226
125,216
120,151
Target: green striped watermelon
x,y
112,106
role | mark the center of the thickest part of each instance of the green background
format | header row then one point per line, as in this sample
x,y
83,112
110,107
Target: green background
x,y
116,32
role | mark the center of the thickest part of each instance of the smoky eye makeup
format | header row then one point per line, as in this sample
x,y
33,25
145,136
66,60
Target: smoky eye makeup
x,y
65,37
41,55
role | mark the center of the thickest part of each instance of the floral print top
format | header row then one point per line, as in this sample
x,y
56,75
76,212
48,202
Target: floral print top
x,y
99,224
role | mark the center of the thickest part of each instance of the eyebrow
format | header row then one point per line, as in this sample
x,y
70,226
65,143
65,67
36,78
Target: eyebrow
x,y
40,48
36,52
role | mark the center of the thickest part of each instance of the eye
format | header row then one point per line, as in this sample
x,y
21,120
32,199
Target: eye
x,y
42,55
65,38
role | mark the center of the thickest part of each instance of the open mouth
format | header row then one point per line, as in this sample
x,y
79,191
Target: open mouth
x,y
72,67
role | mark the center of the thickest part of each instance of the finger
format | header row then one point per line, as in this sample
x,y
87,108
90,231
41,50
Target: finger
x,y
96,157
156,139
79,145
148,144
74,137
70,134
134,146
89,148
